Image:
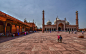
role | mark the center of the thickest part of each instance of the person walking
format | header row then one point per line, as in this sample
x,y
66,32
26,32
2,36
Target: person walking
x,y
69,32
58,37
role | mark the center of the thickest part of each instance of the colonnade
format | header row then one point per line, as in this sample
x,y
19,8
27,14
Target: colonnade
x,y
70,29
7,27
50,29
54,29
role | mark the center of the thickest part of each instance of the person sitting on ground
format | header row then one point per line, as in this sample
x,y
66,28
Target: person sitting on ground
x,y
25,33
82,32
60,38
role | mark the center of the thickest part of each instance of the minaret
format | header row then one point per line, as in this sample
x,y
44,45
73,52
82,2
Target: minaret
x,y
43,22
33,20
77,20
33,25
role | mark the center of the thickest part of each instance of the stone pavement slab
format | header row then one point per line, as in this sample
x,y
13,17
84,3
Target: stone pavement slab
x,y
44,43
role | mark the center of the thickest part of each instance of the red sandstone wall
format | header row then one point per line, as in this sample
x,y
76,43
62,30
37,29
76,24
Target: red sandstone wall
x,y
13,29
1,29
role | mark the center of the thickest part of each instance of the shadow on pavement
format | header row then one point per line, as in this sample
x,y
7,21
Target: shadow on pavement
x,y
4,39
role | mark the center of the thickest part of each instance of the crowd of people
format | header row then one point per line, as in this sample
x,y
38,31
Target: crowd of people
x,y
75,32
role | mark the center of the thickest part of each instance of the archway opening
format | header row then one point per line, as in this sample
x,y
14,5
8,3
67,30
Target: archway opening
x,y
1,27
8,28
68,29
50,29
54,29
60,27
72,29
45,29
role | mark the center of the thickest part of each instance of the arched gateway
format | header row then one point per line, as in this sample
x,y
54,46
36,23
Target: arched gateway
x,y
60,27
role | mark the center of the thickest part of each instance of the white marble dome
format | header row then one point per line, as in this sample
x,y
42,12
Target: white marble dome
x,y
67,23
49,22
55,20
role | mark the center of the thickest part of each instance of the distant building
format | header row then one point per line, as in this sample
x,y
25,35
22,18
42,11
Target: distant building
x,y
32,25
59,25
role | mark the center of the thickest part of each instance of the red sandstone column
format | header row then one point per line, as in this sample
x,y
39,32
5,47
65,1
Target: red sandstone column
x,y
19,30
5,27
77,20
43,22
33,25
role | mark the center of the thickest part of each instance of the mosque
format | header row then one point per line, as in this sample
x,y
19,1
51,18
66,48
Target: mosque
x,y
59,25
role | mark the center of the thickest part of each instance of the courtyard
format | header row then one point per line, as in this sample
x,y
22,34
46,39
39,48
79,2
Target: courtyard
x,y
44,43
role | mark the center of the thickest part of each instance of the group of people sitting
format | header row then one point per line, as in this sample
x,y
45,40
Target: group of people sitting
x,y
75,32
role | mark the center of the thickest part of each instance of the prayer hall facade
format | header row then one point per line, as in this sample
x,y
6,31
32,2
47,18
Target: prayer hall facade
x,y
59,25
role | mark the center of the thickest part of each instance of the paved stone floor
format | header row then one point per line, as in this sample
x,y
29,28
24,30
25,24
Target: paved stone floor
x,y
44,43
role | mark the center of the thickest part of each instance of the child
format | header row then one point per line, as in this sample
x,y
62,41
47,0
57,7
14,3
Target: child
x,y
60,39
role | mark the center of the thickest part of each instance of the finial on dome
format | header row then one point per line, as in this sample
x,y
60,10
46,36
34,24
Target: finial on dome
x,y
76,11
25,20
43,10
65,18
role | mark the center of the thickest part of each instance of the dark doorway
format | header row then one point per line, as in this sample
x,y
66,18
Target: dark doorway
x,y
1,27
59,29
68,29
50,29
8,28
45,29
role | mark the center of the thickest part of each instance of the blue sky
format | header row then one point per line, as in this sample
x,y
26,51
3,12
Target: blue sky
x,y
32,9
